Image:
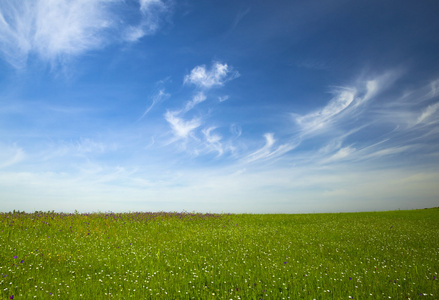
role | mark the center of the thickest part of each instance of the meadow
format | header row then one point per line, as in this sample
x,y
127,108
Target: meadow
x,y
373,255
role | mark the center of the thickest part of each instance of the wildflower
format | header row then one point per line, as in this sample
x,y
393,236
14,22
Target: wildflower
x,y
350,278
22,261
237,289
12,297
285,262
15,257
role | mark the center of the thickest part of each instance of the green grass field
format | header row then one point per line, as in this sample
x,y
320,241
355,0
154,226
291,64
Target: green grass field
x,y
375,255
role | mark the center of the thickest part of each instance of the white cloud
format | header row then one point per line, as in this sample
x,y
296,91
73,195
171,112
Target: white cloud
x,y
159,97
266,152
216,76
386,152
11,155
134,33
213,140
89,146
145,5
153,12
223,98
342,153
434,88
428,113
57,29
180,127
198,98
52,28
347,103
236,130
321,118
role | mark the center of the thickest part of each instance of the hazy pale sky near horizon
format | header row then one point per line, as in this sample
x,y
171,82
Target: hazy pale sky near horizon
x,y
219,106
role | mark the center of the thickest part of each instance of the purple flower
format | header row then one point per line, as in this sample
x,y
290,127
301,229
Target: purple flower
x,y
285,262
12,297
15,257
434,277
350,278
21,261
263,291
237,289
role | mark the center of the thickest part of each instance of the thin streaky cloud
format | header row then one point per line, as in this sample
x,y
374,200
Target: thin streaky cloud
x,y
387,152
198,98
161,96
213,140
342,153
223,98
426,116
267,152
238,18
320,119
11,156
236,130
347,103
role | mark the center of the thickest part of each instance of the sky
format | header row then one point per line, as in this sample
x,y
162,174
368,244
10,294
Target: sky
x,y
215,106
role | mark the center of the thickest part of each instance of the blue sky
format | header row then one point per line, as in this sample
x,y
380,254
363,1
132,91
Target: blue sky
x,y
219,106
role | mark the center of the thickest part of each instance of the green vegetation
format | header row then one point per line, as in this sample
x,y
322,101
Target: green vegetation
x,y
372,255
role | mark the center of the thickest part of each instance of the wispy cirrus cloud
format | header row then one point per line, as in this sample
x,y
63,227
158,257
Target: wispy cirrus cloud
x,y
57,29
180,127
347,103
213,141
198,98
11,155
428,113
217,75
268,151
393,125
153,13
52,29
159,97
321,118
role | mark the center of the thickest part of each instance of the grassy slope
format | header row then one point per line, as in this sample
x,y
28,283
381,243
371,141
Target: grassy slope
x,y
372,255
